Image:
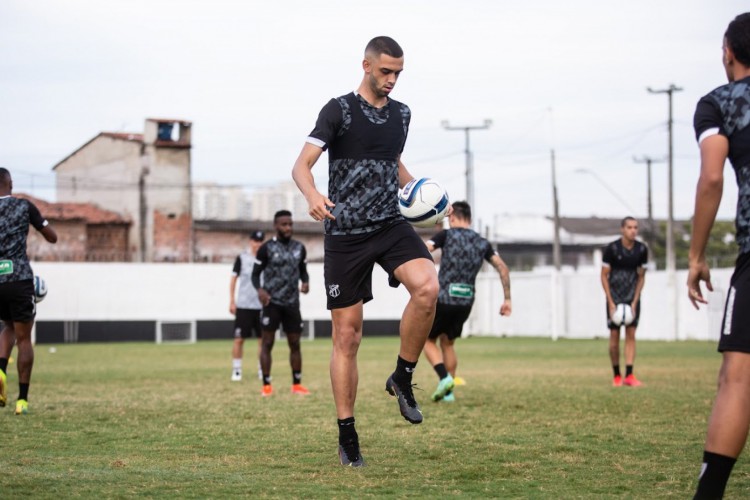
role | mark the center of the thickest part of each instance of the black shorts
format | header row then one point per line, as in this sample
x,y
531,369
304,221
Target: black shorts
x,y
735,328
288,317
247,323
634,324
17,301
449,319
349,261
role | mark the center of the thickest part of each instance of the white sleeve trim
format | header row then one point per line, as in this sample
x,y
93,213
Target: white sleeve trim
x,y
316,142
605,264
45,223
708,133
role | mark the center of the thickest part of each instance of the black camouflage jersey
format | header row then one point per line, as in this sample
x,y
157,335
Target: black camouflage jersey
x,y
283,265
463,252
726,111
16,215
364,144
623,272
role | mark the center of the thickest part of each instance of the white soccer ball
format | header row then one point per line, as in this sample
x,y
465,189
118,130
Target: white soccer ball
x,y
623,315
423,202
40,289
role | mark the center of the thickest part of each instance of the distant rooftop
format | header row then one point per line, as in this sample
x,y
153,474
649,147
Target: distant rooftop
x,y
87,212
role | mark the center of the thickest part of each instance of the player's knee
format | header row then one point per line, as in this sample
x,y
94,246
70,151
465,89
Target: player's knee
x,y
347,340
734,373
427,292
267,343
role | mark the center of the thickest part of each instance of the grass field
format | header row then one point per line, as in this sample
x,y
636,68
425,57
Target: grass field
x,y
537,419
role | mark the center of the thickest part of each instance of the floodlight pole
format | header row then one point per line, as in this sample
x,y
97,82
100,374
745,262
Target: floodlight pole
x,y
671,264
469,156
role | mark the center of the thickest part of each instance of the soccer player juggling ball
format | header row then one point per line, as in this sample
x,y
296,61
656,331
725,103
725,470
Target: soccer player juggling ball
x,y
364,132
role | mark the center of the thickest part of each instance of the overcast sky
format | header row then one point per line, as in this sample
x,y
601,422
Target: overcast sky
x,y
252,76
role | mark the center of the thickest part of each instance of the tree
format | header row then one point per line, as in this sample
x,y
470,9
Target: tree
x,y
721,250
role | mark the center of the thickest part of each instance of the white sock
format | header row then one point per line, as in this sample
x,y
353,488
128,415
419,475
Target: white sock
x,y
237,365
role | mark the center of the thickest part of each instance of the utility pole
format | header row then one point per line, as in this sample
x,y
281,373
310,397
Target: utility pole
x,y
671,264
556,252
558,322
469,156
670,206
651,228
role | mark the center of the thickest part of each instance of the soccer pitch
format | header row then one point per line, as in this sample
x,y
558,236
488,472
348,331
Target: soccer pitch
x,y
537,419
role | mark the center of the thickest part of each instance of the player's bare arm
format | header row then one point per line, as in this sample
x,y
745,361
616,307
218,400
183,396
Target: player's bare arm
x,y
714,151
638,287
403,174
232,288
502,270
605,286
49,234
318,205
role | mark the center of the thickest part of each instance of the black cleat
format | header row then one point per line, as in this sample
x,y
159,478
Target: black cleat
x,y
349,455
406,402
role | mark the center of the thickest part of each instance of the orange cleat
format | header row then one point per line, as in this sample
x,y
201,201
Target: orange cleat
x,y
300,389
617,381
267,390
632,381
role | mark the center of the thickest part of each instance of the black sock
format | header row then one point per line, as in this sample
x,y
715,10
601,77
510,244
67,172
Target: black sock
x,y
347,433
4,365
616,369
266,379
628,370
296,377
404,371
714,476
23,391
441,370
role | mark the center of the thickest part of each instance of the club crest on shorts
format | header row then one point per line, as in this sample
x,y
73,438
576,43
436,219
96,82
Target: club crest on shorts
x,y
238,332
333,291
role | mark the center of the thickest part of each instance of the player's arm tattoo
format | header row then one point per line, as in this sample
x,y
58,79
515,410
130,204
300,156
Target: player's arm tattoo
x,y
502,270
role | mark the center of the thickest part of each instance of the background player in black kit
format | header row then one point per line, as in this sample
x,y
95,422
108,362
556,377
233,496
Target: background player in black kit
x,y
282,262
464,250
623,276
722,120
365,132
17,306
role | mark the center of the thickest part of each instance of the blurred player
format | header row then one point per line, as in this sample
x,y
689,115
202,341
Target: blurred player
x,y
721,127
365,132
623,275
282,262
464,250
17,305
246,308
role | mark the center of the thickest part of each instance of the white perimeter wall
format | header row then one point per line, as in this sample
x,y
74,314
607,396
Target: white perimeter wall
x,y
118,291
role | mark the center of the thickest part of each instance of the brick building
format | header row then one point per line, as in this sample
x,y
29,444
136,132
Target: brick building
x,y
85,233
145,177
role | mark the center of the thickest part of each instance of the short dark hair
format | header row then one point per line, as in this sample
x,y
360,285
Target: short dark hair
x,y
462,210
384,45
281,213
626,219
738,38
4,176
